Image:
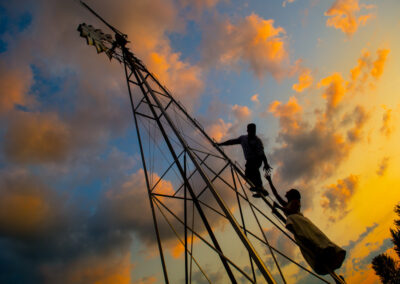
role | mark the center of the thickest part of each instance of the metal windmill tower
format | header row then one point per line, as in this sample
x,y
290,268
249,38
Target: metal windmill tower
x,y
198,196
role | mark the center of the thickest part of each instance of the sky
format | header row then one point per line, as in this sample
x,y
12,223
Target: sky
x,y
318,77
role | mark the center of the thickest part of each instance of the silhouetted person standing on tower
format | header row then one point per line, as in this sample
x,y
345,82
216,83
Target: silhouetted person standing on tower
x,y
253,150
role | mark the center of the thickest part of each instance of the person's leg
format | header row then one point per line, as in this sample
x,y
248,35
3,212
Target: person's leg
x,y
257,176
252,172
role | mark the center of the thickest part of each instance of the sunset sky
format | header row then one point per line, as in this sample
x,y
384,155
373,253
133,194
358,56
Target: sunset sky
x,y
319,78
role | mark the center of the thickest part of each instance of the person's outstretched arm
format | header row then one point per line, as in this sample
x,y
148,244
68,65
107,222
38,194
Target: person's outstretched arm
x,y
230,142
275,192
267,167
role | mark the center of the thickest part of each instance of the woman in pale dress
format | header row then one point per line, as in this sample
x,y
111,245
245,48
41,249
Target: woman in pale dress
x,y
321,254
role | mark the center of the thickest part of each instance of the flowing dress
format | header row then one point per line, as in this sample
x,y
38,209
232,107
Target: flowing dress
x,y
321,253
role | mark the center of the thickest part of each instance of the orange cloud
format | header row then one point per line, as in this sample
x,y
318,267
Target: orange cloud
x,y
383,166
363,62
337,195
178,250
305,81
241,112
288,114
180,77
148,23
28,208
98,269
36,138
359,117
14,87
379,63
343,16
334,92
253,40
254,98
219,129
386,129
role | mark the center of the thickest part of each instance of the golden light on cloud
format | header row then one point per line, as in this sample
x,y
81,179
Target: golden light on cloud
x,y
241,112
37,138
253,40
386,128
335,90
288,113
254,98
219,129
99,269
305,81
379,63
343,15
14,87
23,213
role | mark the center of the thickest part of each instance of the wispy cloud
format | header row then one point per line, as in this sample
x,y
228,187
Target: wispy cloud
x,y
336,197
305,81
383,166
344,15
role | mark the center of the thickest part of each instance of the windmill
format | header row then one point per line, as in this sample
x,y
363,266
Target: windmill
x,y
198,196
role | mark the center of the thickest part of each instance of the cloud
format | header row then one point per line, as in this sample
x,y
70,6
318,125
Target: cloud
x,y
343,15
116,211
368,230
386,128
363,62
337,196
255,98
379,63
360,117
283,244
36,138
286,2
45,233
289,114
305,81
241,113
219,129
146,280
197,7
102,269
306,151
29,209
181,77
365,68
334,91
252,40
14,86
360,264
383,166
310,150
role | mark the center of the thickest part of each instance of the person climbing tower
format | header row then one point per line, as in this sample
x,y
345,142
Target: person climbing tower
x,y
318,250
253,150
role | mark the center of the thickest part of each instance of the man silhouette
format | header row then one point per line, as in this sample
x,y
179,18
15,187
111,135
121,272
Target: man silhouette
x,y
253,150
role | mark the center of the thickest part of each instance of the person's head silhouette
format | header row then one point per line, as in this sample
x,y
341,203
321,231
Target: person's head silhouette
x,y
251,129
